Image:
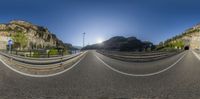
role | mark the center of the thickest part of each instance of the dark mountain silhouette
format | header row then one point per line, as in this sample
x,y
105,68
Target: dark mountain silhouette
x,y
122,44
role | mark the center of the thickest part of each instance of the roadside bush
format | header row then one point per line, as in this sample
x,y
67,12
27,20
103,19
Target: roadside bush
x,y
53,51
36,54
66,52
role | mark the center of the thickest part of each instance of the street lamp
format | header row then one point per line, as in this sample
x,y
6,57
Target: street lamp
x,y
84,39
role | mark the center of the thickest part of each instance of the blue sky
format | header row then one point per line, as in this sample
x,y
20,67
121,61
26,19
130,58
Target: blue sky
x,y
153,20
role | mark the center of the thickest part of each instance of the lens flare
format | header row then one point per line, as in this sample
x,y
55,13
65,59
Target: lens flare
x,y
99,40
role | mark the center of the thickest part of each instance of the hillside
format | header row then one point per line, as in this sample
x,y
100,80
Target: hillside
x,y
37,36
189,38
123,44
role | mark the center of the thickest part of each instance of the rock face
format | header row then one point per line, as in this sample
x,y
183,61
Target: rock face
x,y
38,36
191,37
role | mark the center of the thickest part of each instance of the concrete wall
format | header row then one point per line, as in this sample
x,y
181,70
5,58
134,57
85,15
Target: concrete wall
x,y
3,42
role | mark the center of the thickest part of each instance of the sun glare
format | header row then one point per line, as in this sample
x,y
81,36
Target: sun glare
x,y
99,40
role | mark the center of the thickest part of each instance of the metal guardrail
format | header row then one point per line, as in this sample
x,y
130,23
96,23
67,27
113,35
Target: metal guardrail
x,y
40,61
31,58
135,53
138,56
41,67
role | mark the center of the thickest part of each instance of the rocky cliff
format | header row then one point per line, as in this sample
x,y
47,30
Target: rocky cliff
x,y
190,37
38,36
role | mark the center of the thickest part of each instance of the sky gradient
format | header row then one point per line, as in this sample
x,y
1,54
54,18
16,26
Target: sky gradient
x,y
152,20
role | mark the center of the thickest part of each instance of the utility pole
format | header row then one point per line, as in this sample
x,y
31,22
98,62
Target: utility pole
x,y
84,39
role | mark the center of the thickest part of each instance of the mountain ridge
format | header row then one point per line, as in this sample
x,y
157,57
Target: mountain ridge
x,y
122,43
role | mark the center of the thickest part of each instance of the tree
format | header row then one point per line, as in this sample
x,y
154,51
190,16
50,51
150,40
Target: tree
x,y
20,39
180,44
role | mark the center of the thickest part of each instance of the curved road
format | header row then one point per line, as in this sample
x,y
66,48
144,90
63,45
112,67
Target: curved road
x,y
92,79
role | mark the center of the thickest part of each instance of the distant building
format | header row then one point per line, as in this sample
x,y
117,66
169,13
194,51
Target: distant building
x,y
4,40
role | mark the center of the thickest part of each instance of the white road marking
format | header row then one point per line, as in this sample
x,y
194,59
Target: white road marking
x,y
141,75
48,75
197,56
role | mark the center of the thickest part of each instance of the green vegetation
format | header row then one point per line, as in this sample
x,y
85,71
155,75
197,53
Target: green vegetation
x,y
53,52
191,30
66,52
173,45
36,54
178,44
20,40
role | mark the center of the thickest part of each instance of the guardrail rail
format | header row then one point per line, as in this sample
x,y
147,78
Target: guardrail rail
x,y
40,66
138,56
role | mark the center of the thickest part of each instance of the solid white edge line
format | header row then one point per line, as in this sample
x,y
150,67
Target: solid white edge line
x,y
195,54
141,75
48,75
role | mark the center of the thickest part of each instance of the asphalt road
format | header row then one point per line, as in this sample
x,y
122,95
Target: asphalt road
x,y
92,79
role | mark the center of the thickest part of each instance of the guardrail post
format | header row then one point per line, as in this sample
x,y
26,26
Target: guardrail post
x,y
61,62
62,52
48,54
30,53
11,60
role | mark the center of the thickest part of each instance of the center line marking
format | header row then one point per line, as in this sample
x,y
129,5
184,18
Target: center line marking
x,y
141,75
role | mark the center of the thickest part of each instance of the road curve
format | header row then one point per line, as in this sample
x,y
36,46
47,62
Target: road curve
x,y
140,69
92,79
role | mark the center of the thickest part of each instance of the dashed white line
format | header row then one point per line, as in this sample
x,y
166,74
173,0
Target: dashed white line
x,y
141,75
48,75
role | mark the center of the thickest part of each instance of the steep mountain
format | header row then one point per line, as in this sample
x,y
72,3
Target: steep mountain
x,y
123,44
38,36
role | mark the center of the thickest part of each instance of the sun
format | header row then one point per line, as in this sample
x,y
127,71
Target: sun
x,y
99,40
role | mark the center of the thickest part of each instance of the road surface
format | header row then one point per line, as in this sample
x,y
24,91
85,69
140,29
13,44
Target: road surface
x,y
92,78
